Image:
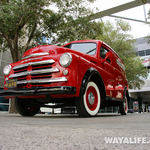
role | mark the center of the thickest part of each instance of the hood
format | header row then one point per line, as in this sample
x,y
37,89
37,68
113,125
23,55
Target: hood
x,y
43,50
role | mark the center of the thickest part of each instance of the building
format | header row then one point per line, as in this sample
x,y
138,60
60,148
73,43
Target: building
x,y
142,96
5,58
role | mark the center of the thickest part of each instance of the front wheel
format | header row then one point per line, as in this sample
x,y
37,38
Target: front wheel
x,y
89,103
123,107
25,107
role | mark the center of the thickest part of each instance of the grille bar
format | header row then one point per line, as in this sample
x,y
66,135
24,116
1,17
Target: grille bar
x,y
35,55
51,61
41,71
61,79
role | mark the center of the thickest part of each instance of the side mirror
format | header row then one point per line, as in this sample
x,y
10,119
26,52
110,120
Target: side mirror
x,y
108,56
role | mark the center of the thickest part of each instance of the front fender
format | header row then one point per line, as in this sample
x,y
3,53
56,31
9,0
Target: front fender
x,y
92,74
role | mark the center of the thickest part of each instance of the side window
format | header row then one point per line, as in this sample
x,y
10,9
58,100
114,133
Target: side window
x,y
103,52
68,46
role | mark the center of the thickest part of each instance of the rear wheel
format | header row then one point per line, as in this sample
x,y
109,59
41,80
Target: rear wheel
x,y
123,108
25,107
89,103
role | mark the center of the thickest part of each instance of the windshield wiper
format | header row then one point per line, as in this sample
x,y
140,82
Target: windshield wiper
x,y
91,50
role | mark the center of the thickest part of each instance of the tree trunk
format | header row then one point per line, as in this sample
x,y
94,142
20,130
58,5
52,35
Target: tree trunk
x,y
12,106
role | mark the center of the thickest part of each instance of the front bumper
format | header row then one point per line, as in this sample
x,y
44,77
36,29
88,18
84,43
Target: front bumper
x,y
38,91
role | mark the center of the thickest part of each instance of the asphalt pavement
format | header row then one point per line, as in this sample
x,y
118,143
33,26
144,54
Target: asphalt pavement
x,y
71,132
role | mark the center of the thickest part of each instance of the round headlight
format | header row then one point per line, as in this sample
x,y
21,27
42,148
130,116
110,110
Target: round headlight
x,y
7,70
65,59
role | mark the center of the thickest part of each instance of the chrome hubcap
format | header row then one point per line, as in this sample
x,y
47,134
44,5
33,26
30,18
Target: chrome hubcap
x,y
91,98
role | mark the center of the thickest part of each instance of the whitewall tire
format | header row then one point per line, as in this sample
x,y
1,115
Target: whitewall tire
x,y
89,103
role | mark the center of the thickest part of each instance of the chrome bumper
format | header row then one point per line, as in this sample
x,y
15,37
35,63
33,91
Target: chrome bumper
x,y
38,91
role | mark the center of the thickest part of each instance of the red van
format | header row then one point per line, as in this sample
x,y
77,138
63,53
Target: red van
x,y
87,74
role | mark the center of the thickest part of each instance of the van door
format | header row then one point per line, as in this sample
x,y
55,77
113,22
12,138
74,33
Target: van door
x,y
107,71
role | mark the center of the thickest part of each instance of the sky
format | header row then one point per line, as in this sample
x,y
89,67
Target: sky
x,y
138,29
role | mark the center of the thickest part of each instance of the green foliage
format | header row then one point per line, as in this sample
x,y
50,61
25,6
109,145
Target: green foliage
x,y
22,22
122,42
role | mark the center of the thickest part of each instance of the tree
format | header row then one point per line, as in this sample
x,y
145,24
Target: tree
x,y
22,22
122,42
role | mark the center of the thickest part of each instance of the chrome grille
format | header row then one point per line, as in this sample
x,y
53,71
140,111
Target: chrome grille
x,y
35,73
51,61
43,80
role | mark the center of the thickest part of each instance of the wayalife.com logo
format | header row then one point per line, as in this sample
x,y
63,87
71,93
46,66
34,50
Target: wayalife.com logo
x,y
127,140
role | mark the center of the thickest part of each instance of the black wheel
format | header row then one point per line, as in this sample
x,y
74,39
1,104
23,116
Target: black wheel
x,y
89,104
123,108
25,107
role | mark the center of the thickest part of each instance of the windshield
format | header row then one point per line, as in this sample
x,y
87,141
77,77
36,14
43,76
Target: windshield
x,y
87,48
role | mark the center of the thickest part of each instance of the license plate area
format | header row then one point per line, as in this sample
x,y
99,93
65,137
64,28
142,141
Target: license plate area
x,y
11,83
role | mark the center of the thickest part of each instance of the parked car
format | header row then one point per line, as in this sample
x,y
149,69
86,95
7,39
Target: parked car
x,y
87,74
